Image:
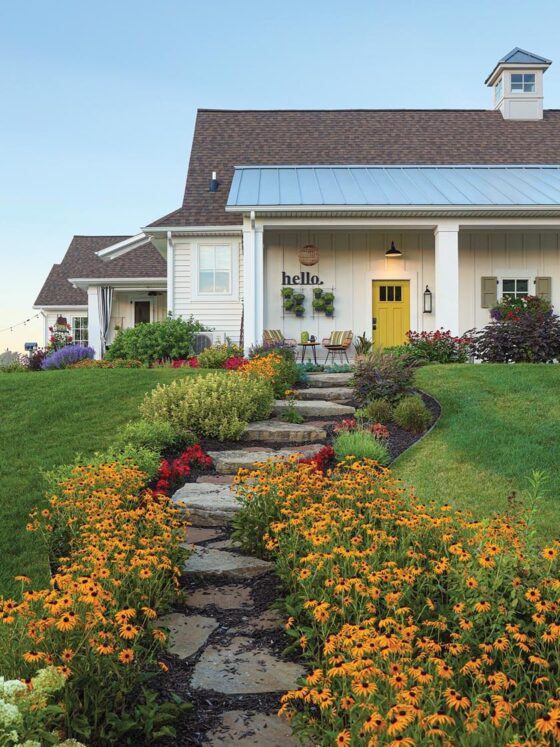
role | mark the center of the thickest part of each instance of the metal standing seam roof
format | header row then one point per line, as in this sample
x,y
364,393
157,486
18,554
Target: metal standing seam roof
x,y
293,186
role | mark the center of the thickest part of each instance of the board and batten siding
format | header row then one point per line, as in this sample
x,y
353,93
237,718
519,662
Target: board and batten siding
x,y
348,263
502,254
223,316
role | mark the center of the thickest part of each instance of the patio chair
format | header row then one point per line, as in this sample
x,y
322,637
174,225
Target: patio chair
x,y
338,343
276,337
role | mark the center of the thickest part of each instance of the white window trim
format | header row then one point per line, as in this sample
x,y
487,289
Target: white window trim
x,y
522,91
215,297
72,318
529,275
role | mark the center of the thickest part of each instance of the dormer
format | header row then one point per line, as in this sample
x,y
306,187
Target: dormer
x,y
517,80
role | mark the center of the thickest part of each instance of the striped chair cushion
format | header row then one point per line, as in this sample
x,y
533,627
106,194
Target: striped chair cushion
x,y
339,338
274,335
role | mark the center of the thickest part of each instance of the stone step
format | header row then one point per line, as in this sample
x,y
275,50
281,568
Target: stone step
x,y
209,562
279,432
187,633
229,462
332,394
327,380
250,729
208,505
229,597
243,667
313,408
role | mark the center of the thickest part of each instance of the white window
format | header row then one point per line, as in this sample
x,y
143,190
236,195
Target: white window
x,y
215,269
515,287
523,83
499,90
80,330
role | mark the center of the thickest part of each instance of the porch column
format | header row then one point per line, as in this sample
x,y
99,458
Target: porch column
x,y
447,276
170,275
253,301
94,322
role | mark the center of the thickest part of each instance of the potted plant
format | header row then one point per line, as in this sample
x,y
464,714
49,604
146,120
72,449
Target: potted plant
x,y
299,309
289,304
318,304
317,292
329,310
287,292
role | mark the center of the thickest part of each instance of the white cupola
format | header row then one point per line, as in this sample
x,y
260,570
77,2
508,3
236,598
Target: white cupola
x,y
517,80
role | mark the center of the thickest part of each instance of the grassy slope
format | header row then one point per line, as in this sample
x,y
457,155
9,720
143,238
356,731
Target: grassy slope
x,y
498,424
45,419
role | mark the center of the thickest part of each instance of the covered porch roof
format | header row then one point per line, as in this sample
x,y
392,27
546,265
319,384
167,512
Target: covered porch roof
x,y
396,189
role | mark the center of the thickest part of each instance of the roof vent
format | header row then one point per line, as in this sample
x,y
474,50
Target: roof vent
x,y
517,80
214,183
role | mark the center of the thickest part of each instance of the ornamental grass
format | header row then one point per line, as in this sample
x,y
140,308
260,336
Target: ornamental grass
x,y
115,555
421,626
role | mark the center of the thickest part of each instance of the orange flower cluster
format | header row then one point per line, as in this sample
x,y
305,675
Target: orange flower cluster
x,y
422,625
281,372
116,552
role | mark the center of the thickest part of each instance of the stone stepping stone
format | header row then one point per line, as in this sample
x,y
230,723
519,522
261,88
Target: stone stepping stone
x,y
270,619
230,462
328,380
210,562
315,408
332,394
200,534
229,597
187,633
215,479
280,432
208,505
243,667
225,544
250,729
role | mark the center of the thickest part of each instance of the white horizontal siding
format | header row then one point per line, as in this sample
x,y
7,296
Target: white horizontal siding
x,y
224,316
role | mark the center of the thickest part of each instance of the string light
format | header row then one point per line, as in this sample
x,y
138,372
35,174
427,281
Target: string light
x,y
19,324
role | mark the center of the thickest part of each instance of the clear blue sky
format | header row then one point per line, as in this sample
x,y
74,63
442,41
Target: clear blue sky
x,y
99,97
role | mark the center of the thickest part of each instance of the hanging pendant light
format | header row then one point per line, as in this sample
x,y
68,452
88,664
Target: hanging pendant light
x,y
393,251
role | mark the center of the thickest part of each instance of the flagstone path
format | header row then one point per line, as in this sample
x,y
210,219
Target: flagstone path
x,y
229,637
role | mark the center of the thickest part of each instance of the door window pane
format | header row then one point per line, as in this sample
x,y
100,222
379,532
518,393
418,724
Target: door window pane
x,y
382,292
390,293
398,293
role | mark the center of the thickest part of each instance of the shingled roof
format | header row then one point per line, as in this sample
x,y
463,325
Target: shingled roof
x,y
81,261
225,139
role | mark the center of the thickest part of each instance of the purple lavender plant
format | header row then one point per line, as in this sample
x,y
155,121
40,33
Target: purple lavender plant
x,y
66,356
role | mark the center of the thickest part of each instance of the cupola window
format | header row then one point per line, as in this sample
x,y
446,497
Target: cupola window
x,y
523,82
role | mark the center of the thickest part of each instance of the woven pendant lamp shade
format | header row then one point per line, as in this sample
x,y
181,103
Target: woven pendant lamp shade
x,y
308,255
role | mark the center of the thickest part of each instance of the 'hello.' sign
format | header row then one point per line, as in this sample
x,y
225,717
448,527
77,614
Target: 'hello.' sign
x,y
306,278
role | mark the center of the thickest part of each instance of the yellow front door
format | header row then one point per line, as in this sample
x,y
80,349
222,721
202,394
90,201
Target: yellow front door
x,y
390,312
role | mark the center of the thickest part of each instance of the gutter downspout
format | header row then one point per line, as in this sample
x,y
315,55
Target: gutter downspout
x,y
170,275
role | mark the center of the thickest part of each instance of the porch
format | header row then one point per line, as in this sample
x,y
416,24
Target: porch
x,y
443,275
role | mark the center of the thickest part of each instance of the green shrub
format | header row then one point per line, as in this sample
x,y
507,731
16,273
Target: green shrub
x,y
156,435
360,444
171,338
378,411
215,406
412,414
216,356
382,375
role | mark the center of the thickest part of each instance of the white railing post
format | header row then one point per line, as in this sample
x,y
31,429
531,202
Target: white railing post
x,y
94,323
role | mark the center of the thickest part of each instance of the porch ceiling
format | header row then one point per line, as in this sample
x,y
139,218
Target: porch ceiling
x,y
414,189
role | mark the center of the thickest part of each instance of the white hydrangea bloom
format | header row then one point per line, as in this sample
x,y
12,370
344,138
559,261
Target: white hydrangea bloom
x,y
48,680
10,717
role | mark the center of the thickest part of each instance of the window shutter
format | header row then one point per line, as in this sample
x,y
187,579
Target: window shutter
x,y
543,288
488,292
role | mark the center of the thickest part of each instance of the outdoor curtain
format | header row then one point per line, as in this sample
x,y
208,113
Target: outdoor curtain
x,y
105,299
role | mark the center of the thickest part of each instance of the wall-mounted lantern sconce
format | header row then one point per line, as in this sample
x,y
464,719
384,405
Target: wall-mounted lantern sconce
x,y
393,251
427,301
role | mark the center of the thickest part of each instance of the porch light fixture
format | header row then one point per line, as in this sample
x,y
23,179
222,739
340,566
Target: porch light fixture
x,y
308,255
393,251
427,301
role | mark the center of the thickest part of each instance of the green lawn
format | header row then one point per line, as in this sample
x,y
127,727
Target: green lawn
x,y
45,419
498,424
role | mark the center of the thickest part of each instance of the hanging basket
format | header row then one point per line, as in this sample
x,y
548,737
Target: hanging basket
x,y
308,255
